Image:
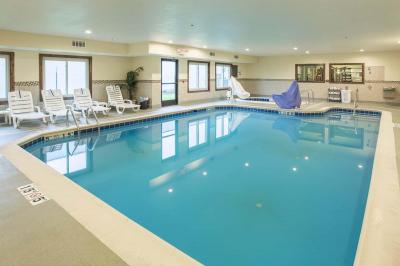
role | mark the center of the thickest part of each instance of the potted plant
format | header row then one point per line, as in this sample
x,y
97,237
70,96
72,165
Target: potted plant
x,y
132,79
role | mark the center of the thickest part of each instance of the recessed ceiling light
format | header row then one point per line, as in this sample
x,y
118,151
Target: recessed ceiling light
x,y
205,46
88,31
307,52
362,50
247,49
398,42
295,48
170,41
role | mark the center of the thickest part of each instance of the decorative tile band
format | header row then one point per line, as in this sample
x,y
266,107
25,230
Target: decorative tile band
x,y
97,82
326,81
26,83
142,121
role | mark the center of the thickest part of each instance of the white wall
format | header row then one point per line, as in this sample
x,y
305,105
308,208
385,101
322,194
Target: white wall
x,y
273,74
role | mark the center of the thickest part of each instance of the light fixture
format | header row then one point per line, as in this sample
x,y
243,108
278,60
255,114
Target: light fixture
x,y
362,50
398,42
170,190
294,169
246,164
247,49
306,158
295,48
170,41
205,173
360,166
205,46
88,32
307,52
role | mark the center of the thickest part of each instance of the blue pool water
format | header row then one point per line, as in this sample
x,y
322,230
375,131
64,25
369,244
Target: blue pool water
x,y
233,187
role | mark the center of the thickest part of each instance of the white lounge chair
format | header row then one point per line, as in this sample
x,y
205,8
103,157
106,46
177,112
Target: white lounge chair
x,y
83,103
54,104
116,100
21,108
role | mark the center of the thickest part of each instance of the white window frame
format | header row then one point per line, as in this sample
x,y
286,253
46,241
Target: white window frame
x,y
223,65
197,88
69,91
7,57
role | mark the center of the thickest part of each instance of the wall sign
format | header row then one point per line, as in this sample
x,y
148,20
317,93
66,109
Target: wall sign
x,y
32,194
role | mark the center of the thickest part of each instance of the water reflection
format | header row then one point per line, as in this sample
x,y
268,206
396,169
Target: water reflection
x,y
168,139
72,157
330,130
228,123
197,133
190,137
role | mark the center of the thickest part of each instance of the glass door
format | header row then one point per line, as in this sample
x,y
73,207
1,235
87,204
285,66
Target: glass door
x,y
169,82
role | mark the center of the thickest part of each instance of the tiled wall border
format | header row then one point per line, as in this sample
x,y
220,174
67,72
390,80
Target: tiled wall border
x,y
326,81
26,83
97,82
140,121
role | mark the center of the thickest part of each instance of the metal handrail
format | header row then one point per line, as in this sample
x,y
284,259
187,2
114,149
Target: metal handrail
x,y
355,103
69,110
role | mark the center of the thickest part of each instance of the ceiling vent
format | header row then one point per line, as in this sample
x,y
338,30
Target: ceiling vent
x,y
236,56
212,53
79,44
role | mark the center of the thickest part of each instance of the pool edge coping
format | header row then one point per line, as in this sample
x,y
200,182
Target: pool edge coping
x,y
170,254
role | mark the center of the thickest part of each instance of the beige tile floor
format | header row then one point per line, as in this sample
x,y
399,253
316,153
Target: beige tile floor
x,y
46,234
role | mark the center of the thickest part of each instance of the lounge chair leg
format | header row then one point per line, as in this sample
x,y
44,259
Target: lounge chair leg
x,y
119,110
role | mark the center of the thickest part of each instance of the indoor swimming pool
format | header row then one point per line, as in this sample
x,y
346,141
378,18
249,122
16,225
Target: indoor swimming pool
x,y
233,187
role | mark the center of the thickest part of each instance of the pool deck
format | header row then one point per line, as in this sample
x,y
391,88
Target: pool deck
x,y
74,226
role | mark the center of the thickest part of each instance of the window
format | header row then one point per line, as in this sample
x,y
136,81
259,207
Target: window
x,y
197,133
168,141
65,73
222,76
310,73
6,74
198,76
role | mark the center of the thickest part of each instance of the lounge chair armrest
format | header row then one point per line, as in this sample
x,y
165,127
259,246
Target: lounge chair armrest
x,y
96,103
37,108
128,101
76,106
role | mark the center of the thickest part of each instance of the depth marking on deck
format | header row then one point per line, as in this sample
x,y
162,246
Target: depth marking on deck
x,y
32,194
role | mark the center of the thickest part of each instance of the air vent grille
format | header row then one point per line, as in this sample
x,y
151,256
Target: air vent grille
x,y
212,53
78,44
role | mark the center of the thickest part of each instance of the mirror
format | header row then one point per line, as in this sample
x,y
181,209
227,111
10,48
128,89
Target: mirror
x,y
346,73
310,73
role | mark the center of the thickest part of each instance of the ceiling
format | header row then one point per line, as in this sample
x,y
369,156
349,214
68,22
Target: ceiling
x,y
266,27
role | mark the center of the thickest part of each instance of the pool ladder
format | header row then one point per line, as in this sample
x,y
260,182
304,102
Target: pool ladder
x,y
69,110
310,96
355,103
